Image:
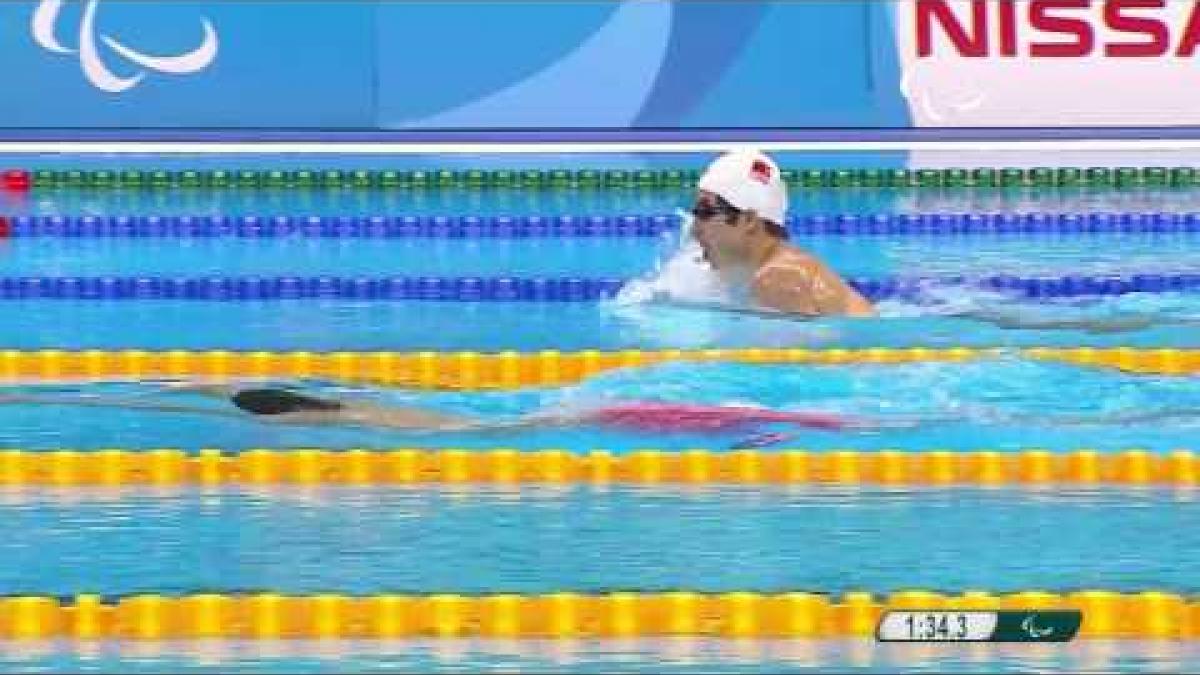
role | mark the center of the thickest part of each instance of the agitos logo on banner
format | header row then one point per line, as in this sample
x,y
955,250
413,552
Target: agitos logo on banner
x,y
1058,28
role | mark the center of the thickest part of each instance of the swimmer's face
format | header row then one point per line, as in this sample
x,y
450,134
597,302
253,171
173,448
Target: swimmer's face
x,y
723,232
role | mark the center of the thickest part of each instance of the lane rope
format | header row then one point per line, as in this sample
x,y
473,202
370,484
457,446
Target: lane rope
x,y
1105,614
1097,176
504,466
467,370
641,225
536,289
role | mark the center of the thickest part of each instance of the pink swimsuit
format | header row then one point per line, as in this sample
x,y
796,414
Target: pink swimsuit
x,y
666,417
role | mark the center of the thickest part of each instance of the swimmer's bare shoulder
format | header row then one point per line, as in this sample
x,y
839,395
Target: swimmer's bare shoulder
x,y
794,281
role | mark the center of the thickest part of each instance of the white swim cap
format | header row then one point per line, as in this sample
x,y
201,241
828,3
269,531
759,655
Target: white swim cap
x,y
749,180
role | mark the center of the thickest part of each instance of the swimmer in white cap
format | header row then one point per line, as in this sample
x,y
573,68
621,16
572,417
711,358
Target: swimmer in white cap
x,y
739,215
739,225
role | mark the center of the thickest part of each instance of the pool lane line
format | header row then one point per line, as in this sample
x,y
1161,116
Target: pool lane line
x,y
162,467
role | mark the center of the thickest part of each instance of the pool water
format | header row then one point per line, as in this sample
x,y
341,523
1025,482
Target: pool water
x,y
479,540
634,656
475,539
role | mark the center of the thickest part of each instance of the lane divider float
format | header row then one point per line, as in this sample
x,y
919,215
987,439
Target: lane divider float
x,y
588,178
503,466
535,289
467,370
265,615
582,225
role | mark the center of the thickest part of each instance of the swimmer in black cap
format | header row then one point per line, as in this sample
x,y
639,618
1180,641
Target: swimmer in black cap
x,y
296,408
754,426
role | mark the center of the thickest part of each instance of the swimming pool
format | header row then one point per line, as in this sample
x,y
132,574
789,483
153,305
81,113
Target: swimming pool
x,y
93,273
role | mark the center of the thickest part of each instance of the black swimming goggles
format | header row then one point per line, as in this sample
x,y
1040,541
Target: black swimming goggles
x,y
709,210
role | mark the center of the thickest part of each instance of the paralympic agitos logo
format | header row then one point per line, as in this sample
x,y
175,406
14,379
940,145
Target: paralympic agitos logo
x,y
1058,28
45,27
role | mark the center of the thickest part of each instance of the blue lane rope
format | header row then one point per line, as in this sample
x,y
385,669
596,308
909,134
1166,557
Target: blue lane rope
x,y
476,289
374,227
632,225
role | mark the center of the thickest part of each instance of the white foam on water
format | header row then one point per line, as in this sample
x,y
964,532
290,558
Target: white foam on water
x,y
681,277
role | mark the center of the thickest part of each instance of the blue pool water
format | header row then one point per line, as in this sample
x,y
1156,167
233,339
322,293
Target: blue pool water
x,y
477,540
616,257
482,540
470,540
634,656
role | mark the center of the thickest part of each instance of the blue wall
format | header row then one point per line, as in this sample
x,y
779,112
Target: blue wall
x,y
483,64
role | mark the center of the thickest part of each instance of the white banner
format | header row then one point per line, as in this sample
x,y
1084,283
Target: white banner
x,y
1012,63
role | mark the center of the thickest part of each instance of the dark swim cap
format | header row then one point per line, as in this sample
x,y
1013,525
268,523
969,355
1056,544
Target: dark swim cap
x,y
278,401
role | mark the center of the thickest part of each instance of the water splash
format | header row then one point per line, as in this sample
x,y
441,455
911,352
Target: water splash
x,y
679,276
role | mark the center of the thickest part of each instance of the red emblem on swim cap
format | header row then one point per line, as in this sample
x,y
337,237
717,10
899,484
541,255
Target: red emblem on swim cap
x,y
760,171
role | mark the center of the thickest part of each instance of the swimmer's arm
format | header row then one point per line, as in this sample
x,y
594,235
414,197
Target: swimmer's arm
x,y
786,289
763,312
1122,417
112,403
808,290
410,419
1011,320
393,418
